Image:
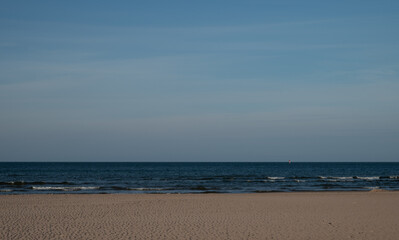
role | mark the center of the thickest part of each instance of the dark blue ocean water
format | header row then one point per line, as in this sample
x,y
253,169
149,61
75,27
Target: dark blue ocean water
x,y
29,178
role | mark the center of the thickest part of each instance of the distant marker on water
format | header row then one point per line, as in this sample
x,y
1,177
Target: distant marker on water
x,y
289,161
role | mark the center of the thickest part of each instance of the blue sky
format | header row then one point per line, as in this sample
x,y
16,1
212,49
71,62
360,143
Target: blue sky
x,y
199,81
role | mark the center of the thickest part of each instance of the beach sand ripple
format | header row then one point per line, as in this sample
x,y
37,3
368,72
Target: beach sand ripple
x,y
327,215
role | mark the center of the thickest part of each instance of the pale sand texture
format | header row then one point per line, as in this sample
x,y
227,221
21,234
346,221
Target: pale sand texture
x,y
350,215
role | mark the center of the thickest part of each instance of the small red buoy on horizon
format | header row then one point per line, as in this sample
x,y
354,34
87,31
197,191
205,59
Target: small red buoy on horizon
x,y
289,161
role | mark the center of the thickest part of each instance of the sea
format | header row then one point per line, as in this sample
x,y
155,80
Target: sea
x,y
199,177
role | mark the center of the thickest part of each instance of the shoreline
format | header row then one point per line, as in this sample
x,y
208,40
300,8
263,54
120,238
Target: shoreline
x,y
66,192
276,215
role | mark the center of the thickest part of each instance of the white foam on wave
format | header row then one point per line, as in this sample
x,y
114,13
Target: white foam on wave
x,y
146,189
335,179
369,178
63,188
343,178
275,178
340,179
394,177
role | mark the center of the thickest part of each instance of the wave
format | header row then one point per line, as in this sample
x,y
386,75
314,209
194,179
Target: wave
x,y
147,189
6,190
336,179
275,178
379,177
371,178
342,178
196,188
22,183
134,189
358,177
367,178
339,178
52,188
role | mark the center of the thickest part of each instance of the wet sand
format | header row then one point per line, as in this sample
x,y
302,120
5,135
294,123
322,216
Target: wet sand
x,y
324,215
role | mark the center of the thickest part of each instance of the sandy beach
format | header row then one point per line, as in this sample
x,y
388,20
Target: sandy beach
x,y
325,215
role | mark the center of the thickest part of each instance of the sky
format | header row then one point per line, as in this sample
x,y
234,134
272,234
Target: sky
x,y
199,80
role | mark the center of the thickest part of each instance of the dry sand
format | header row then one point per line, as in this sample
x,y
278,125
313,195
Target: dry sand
x,y
332,215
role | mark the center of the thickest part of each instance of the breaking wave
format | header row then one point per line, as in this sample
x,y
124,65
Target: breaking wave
x,y
48,188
